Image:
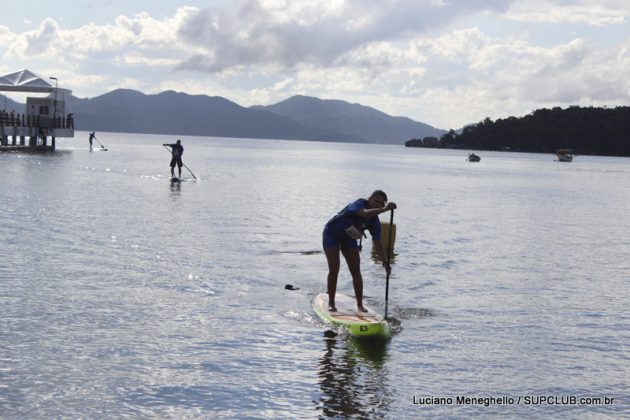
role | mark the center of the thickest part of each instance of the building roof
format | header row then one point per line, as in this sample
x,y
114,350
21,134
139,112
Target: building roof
x,y
26,81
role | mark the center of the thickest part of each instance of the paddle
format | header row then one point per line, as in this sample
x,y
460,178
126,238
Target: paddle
x,y
102,147
191,172
389,259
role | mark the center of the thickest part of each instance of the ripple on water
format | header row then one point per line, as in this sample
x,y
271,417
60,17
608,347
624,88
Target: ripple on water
x,y
125,297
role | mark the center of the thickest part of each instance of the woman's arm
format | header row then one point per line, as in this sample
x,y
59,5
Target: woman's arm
x,y
372,213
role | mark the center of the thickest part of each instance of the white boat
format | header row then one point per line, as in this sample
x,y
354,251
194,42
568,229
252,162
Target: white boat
x,y
564,155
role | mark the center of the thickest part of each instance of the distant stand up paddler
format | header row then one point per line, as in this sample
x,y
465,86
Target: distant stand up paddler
x,y
177,150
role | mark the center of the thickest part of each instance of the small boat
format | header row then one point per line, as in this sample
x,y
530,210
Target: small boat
x,y
564,155
473,158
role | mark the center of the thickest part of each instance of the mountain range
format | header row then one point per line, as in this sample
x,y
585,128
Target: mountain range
x,y
297,118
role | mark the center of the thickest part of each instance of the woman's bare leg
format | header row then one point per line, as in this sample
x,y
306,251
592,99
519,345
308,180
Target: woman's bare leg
x,y
353,259
332,257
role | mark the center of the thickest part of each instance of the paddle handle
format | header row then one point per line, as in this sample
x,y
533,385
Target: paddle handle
x,y
389,260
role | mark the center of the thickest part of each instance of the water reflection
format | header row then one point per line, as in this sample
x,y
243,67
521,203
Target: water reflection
x,y
175,187
353,378
377,260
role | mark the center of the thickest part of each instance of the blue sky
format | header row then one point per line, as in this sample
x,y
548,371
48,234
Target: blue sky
x,y
443,62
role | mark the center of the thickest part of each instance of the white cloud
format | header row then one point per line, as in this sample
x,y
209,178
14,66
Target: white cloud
x,y
6,36
286,34
34,43
138,33
437,61
605,12
135,58
513,78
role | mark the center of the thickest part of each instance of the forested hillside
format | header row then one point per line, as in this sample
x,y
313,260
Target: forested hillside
x,y
589,130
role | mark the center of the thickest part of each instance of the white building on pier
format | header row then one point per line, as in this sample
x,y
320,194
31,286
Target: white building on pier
x,y
45,117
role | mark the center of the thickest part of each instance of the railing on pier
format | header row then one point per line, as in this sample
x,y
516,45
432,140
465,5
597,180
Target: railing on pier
x,y
11,119
15,128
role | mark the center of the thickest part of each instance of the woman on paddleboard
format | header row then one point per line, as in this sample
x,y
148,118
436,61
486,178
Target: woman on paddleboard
x,y
341,234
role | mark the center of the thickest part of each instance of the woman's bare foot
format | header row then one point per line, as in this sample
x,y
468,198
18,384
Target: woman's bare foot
x,y
362,309
332,308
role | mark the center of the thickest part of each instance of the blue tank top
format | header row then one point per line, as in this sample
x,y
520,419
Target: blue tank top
x,y
348,217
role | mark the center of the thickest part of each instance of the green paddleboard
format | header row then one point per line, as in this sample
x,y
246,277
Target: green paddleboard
x,y
357,323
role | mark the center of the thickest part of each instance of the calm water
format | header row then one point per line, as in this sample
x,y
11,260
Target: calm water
x,y
124,296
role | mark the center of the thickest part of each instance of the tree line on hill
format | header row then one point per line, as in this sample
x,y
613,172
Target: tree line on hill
x,y
585,130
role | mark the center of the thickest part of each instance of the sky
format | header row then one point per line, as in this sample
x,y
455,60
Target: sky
x,y
446,63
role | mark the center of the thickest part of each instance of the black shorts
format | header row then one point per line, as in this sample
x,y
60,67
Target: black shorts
x,y
332,239
176,160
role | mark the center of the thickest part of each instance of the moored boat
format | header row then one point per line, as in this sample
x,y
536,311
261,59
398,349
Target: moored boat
x,y
564,155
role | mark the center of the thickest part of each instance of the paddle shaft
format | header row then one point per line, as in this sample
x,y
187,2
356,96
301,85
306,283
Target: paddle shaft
x,y
184,165
389,259
102,147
